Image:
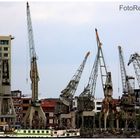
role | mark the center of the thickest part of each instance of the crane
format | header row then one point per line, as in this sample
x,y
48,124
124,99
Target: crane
x,y
107,103
86,98
127,88
64,108
128,98
85,102
35,111
135,59
68,93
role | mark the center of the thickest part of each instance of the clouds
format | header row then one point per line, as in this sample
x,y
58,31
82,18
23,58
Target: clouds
x,y
63,33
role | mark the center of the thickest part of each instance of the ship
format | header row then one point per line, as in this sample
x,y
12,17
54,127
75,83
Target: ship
x,y
41,133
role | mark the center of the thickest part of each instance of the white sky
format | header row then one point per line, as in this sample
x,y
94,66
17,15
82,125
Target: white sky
x,y
63,33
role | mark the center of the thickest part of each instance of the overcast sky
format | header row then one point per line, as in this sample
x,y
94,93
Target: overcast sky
x,y
63,33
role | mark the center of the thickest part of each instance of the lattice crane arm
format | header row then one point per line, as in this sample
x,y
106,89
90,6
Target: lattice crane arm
x,y
33,59
70,89
89,90
126,86
105,75
135,59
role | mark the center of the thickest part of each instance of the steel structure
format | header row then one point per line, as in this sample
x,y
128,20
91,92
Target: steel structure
x,y
135,59
64,108
128,98
68,93
107,104
35,117
85,102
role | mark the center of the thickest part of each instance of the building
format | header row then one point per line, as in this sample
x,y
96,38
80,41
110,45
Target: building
x,y
98,105
17,102
21,104
5,52
7,111
48,106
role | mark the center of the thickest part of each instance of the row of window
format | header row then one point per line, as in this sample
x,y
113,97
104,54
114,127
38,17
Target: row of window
x,y
29,131
5,48
4,42
5,54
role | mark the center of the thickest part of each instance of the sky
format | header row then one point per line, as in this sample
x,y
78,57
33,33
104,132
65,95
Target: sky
x,y
63,33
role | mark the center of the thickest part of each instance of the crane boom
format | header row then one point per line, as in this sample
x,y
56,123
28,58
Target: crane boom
x,y
69,91
105,75
135,59
30,34
89,90
33,59
125,78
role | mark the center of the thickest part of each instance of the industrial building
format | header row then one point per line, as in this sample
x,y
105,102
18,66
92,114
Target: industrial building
x,y
21,104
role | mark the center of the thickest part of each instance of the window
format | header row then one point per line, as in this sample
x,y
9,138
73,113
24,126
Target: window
x,y
42,131
29,131
99,103
5,48
98,108
25,101
5,54
50,120
51,114
4,42
24,131
38,131
33,131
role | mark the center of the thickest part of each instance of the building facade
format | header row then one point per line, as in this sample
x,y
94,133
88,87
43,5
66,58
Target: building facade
x,y
5,52
48,106
98,105
7,111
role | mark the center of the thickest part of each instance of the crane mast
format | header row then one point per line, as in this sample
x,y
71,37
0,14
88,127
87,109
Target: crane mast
x,y
107,103
127,102
33,59
105,75
125,78
135,59
35,111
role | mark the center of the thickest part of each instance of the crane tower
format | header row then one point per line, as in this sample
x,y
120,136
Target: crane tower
x,y
35,117
128,98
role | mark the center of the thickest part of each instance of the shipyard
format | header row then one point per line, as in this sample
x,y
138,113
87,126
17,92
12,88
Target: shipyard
x,y
107,105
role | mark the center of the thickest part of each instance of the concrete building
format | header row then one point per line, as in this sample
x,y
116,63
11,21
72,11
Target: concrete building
x,y
7,111
5,52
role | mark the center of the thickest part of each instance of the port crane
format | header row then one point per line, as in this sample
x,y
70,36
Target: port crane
x,y
35,117
128,98
85,102
107,104
64,109
67,94
135,59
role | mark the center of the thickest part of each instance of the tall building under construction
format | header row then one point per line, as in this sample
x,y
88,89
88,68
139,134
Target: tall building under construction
x,y
7,112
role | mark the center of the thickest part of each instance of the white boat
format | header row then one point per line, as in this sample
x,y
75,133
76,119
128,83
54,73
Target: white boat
x,y
40,133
